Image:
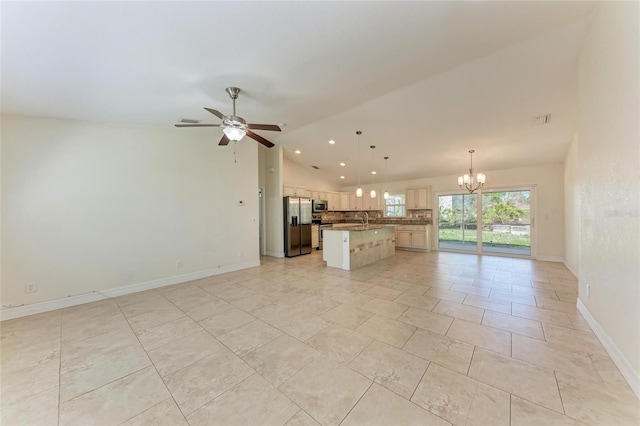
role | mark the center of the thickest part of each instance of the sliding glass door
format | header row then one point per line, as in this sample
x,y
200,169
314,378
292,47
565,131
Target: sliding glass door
x,y
504,226
457,224
506,222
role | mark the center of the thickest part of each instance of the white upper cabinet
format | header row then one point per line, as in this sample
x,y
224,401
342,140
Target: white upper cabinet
x,y
416,198
344,201
294,191
369,203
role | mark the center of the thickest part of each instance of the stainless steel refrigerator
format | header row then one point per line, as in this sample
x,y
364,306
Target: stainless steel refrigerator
x,y
297,226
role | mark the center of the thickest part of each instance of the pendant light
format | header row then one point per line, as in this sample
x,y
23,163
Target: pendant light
x,y
359,190
386,177
373,172
468,181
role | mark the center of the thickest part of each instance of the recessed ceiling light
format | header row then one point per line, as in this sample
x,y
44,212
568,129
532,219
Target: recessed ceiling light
x,y
373,172
297,151
342,164
331,142
341,177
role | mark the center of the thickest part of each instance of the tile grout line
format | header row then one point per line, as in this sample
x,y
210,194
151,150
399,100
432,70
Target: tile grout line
x,y
151,361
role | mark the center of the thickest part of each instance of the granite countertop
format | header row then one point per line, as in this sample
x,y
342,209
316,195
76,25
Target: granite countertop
x,y
389,222
358,227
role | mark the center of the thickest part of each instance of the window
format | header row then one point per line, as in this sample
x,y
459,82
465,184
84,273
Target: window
x,y
394,206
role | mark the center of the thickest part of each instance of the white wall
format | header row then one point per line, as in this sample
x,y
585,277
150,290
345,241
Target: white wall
x,y
274,214
548,181
296,175
609,176
88,206
572,209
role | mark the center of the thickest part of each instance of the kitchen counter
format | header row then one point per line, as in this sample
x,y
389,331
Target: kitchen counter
x,y
357,227
353,246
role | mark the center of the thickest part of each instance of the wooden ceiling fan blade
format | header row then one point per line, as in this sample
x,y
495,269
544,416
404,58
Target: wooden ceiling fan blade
x,y
197,125
271,127
224,140
260,139
216,113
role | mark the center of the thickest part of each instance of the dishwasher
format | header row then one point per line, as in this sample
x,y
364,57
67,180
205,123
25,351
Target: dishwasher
x,y
320,228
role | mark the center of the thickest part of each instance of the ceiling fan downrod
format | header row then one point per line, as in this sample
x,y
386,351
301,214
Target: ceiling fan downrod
x,y
233,94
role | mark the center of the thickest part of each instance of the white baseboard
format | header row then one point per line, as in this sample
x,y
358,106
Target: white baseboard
x,y
550,258
575,273
274,253
632,377
51,305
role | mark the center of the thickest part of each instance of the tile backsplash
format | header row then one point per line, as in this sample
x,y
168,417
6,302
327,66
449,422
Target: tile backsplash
x,y
376,216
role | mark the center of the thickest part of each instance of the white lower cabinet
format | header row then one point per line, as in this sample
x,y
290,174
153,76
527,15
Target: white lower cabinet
x,y
315,237
412,237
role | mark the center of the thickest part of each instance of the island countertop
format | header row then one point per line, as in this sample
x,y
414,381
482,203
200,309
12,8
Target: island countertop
x,y
358,227
351,247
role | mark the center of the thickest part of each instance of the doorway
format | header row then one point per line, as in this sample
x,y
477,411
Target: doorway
x,y
491,222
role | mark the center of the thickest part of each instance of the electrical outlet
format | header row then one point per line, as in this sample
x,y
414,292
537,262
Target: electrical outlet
x,y
30,287
179,263
588,290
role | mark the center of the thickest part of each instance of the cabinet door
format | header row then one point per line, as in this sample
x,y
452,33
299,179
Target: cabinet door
x,y
421,198
314,195
344,201
410,199
366,200
369,203
315,241
403,239
419,239
289,191
334,201
355,203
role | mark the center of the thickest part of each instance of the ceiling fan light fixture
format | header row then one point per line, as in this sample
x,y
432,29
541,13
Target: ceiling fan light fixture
x,y
234,134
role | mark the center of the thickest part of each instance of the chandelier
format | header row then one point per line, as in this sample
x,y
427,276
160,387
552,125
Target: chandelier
x,y
468,181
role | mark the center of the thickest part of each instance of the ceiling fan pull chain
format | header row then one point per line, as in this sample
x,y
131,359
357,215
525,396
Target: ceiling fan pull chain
x,y
235,159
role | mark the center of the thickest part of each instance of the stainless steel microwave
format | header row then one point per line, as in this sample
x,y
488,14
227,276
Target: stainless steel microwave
x,y
320,206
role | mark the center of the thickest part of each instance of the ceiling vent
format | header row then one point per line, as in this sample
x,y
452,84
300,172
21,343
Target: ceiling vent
x,y
316,167
541,120
189,121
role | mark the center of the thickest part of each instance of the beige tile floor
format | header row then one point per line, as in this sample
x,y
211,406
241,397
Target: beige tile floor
x,y
419,338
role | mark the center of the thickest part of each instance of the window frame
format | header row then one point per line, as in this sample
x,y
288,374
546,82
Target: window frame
x,y
401,206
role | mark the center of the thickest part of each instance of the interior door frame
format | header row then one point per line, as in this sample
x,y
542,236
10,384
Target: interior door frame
x,y
532,203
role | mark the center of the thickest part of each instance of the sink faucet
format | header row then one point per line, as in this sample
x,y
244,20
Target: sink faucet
x,y
365,216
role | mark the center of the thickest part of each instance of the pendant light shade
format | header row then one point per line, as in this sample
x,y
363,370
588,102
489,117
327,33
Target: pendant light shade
x,y
386,193
359,190
373,172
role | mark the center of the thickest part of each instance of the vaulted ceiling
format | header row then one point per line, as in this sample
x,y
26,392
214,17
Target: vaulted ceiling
x,y
424,81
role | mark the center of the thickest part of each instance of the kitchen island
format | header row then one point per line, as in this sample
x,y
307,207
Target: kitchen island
x,y
352,247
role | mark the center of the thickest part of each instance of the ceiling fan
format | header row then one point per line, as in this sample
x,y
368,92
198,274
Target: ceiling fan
x,y
234,127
